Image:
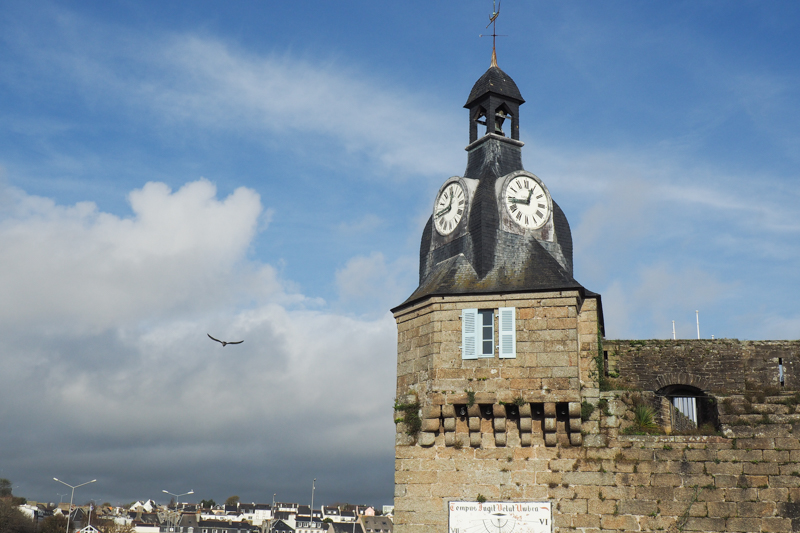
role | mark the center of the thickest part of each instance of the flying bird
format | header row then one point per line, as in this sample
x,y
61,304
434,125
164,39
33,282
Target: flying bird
x,y
224,343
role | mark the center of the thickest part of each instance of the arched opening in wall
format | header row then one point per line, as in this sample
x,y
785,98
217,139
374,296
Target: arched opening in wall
x,y
688,409
480,118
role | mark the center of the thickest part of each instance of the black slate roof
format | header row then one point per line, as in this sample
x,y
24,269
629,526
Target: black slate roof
x,y
495,81
482,256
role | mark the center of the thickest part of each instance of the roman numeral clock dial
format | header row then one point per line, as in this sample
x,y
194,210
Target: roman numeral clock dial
x,y
449,207
527,201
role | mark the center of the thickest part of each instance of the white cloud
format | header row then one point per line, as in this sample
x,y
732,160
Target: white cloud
x,y
78,267
187,78
375,283
105,343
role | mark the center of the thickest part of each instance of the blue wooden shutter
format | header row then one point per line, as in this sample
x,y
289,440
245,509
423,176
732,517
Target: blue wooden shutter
x,y
469,334
508,333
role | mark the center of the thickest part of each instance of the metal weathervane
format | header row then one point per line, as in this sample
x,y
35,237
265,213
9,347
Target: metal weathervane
x,y
494,35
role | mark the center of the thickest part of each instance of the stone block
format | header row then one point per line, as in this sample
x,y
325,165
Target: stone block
x,y
449,424
525,425
525,439
596,441
619,522
449,438
499,425
574,410
474,410
499,411
525,410
431,411
776,525
638,507
755,509
449,411
430,425
475,439
721,509
550,409
499,439
575,425
743,524
589,478
550,439
705,524
550,425
474,423
576,439
426,439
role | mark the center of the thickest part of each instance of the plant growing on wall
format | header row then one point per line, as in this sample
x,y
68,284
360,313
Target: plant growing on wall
x,y
410,416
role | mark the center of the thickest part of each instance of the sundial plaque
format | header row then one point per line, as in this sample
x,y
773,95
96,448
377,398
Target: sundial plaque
x,y
500,517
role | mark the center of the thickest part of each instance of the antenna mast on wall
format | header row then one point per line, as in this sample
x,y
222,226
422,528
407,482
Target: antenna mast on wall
x,y
697,315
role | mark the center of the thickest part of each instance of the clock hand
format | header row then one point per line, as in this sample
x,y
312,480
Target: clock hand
x,y
444,211
528,201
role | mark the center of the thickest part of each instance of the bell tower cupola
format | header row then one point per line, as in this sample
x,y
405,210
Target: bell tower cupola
x,y
494,104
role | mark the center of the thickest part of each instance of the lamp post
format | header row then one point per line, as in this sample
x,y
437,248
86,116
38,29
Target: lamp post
x,y
313,486
72,495
175,523
272,512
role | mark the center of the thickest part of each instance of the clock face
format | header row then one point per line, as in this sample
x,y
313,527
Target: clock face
x,y
527,202
449,208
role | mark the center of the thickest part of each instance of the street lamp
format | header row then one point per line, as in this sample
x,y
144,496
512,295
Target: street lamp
x,y
175,523
69,513
272,512
313,486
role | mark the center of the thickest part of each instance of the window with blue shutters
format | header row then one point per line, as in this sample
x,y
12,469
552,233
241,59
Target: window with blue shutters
x,y
469,334
508,333
478,335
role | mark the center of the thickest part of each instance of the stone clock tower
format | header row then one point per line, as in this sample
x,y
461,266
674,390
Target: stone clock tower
x,y
496,347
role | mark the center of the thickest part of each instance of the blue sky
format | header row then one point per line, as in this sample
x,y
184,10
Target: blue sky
x,y
263,170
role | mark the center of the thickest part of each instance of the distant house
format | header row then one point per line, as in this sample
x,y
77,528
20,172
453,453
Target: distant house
x,y
345,527
288,507
280,526
377,524
286,516
222,526
310,526
331,512
255,513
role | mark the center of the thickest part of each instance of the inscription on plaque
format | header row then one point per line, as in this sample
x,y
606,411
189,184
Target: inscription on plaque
x,y
500,517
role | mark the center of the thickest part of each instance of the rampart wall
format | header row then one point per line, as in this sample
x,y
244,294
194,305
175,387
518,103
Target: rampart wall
x,y
719,366
745,479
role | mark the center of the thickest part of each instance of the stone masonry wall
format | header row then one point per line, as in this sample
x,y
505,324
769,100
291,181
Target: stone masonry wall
x,y
556,343
746,480
720,366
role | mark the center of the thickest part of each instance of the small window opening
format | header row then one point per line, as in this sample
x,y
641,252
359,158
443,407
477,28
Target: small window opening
x,y
562,411
486,410
605,362
780,370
